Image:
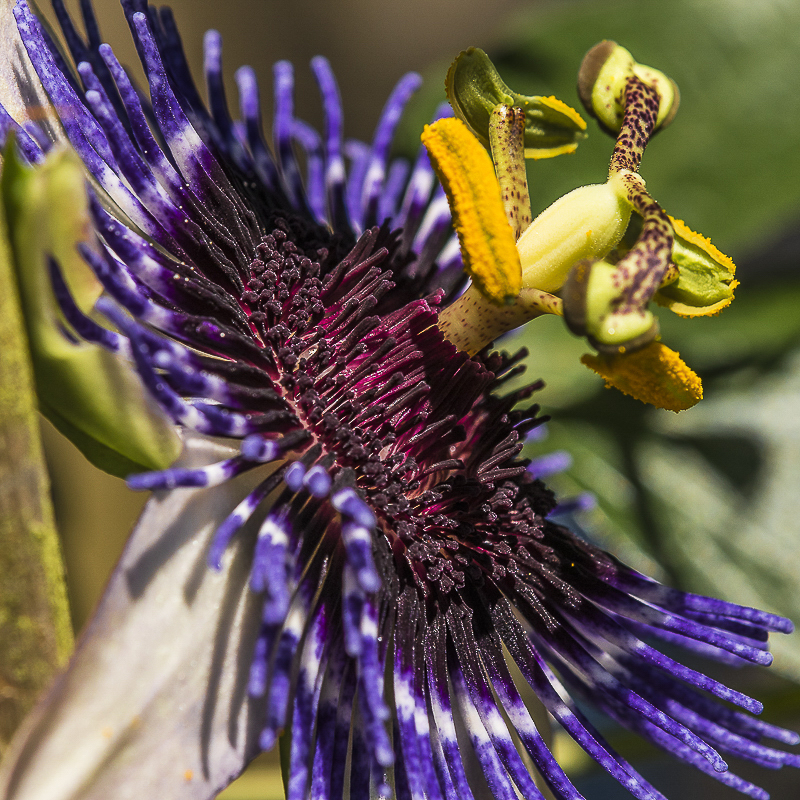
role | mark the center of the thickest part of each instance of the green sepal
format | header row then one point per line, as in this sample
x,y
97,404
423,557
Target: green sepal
x,y
91,395
474,88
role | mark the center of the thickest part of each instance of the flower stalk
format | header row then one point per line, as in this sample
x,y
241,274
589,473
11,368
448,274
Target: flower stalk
x,y
35,627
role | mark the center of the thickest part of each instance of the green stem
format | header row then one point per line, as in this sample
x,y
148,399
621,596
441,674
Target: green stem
x,y
35,631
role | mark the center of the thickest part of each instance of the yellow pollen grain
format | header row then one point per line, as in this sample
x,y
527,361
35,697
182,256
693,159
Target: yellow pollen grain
x,y
107,733
188,775
487,240
655,375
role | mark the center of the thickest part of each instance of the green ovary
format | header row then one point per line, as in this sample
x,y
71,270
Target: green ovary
x,y
586,223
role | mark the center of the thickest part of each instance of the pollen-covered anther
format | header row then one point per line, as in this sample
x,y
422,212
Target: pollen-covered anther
x,y
655,375
475,89
486,238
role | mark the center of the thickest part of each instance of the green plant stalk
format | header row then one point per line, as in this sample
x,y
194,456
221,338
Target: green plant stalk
x,y
35,631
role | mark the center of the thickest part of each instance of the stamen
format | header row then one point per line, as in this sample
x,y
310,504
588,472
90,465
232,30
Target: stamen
x,y
212,67
212,475
358,154
551,464
379,153
654,375
279,682
250,105
31,150
487,241
151,152
393,188
237,518
433,231
314,189
370,688
353,601
282,125
85,327
334,163
572,505
175,58
271,568
473,322
80,125
313,663
418,192
547,686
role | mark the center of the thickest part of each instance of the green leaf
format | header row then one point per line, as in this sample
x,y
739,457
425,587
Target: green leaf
x,y
740,545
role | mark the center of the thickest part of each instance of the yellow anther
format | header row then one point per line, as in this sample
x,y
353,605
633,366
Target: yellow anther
x,y
705,276
570,113
487,241
654,375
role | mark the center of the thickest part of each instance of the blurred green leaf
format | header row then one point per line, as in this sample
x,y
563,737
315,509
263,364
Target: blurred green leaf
x,y
739,542
706,499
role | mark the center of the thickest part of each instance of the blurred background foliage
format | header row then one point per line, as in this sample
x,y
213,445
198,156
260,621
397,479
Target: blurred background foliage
x,y
706,500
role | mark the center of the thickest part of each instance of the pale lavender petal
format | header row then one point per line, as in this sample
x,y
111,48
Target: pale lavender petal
x,y
96,727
